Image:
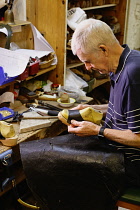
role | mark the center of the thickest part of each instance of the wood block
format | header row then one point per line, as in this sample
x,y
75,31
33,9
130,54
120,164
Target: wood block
x,y
32,124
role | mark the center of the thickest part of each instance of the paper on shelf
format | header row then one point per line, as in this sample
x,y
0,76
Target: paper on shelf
x,y
13,62
41,44
33,53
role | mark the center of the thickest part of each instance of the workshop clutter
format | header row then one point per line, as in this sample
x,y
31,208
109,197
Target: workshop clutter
x,y
76,15
4,78
26,113
46,61
88,76
8,135
31,69
23,63
6,113
47,90
7,129
21,68
33,66
36,64
28,91
70,91
112,21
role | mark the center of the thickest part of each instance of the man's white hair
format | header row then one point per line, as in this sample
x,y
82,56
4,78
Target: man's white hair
x,y
90,34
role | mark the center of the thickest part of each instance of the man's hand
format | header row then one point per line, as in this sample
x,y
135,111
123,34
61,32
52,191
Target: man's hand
x,y
83,128
81,106
101,107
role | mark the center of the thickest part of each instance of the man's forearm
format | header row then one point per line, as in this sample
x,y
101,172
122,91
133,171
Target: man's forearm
x,y
126,137
102,107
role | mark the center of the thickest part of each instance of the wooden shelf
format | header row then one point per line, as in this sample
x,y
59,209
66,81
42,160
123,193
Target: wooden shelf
x,y
70,66
99,82
7,84
21,23
42,71
18,23
68,48
99,7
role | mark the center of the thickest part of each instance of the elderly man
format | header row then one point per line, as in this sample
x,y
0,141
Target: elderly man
x,y
96,46
87,170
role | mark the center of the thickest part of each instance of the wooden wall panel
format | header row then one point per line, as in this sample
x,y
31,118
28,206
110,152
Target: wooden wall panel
x,y
51,21
132,33
31,6
23,39
121,13
49,17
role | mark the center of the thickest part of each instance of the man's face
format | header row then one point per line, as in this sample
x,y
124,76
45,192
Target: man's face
x,y
97,61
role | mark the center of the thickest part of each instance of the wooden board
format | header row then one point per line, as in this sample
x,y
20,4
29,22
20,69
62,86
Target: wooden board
x,y
31,124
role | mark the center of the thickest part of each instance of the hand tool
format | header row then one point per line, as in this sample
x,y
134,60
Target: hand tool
x,y
45,112
50,106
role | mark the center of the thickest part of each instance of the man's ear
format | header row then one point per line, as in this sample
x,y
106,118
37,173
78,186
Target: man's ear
x,y
104,49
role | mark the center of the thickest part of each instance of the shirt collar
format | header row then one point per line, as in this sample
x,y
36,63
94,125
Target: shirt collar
x,y
115,77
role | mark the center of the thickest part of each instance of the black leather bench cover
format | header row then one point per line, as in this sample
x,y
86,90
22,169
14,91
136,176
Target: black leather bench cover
x,y
73,173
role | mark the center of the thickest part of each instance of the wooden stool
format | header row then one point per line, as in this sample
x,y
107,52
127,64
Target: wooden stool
x,y
130,199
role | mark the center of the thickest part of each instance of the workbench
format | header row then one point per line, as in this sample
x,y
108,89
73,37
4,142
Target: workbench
x,y
56,128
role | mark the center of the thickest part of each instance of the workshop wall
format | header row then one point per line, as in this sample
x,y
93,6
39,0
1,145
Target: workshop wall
x,y
132,30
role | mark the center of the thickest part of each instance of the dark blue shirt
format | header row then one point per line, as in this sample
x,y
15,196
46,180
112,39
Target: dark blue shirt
x,y
124,103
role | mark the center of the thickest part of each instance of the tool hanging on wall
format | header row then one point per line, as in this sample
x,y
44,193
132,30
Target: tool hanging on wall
x,y
9,34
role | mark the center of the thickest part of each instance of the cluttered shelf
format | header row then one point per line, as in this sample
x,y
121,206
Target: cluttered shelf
x,y
40,72
104,10
7,84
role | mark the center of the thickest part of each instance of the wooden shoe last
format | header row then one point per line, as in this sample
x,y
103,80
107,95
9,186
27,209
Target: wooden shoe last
x,y
87,114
